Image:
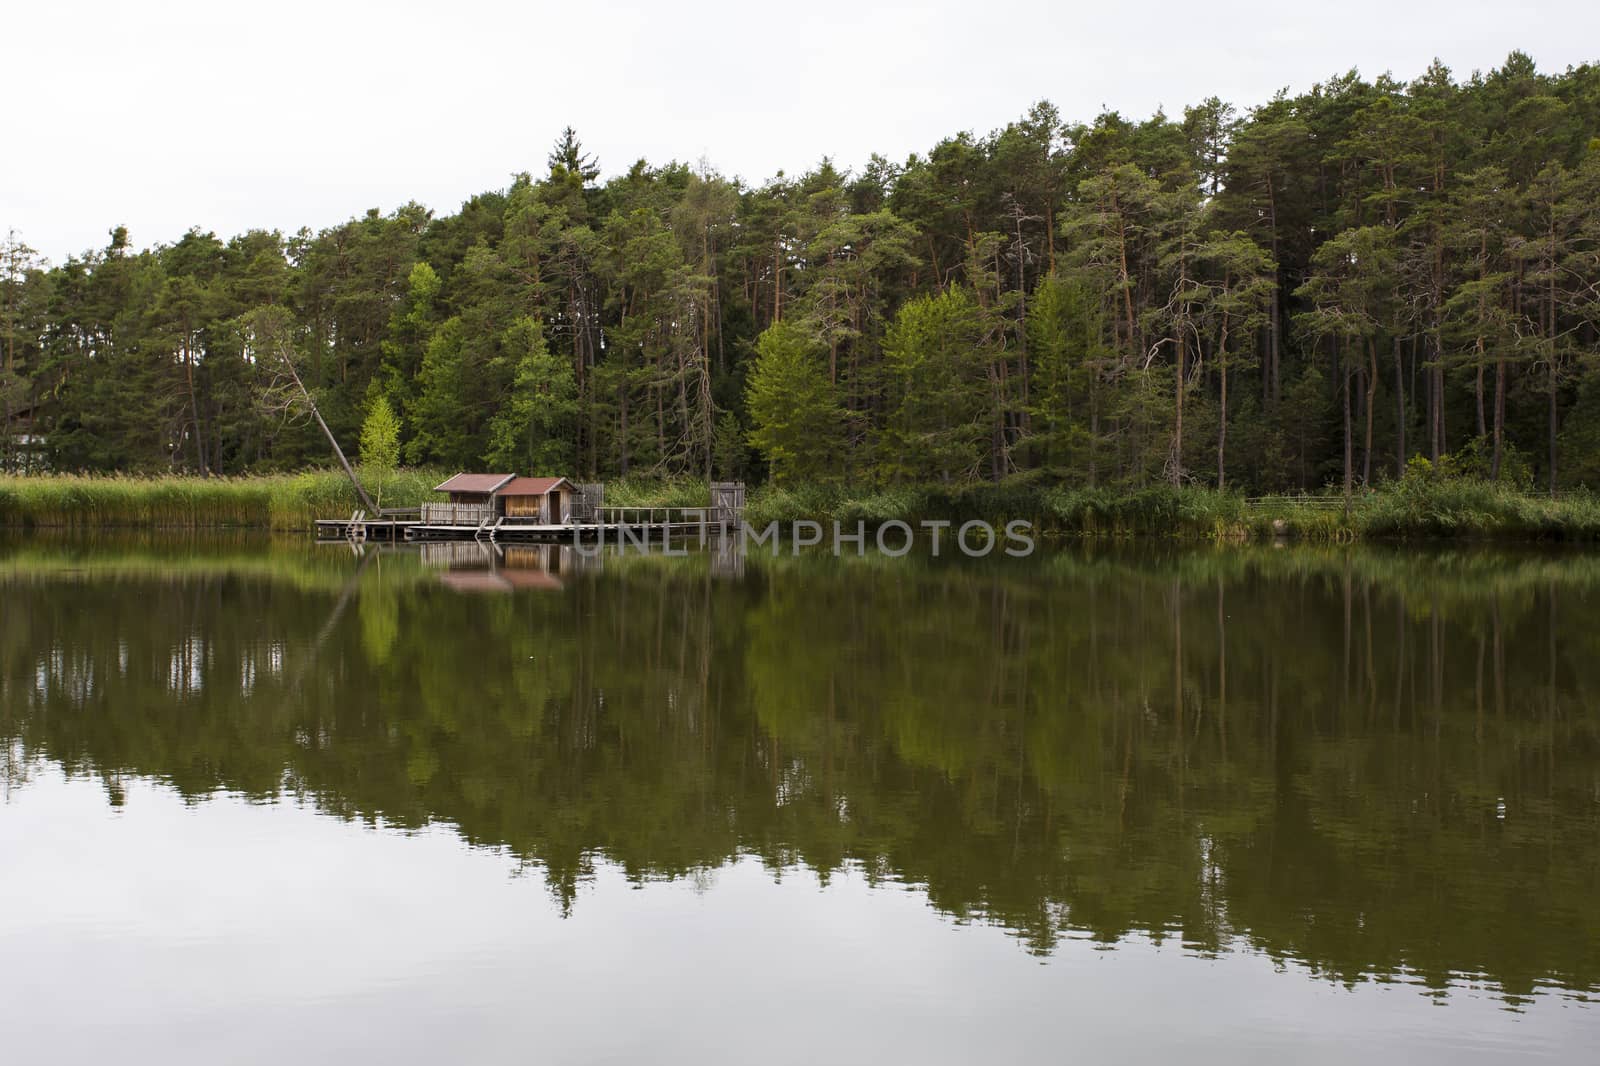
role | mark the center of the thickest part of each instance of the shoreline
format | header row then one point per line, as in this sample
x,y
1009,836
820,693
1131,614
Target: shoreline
x,y
1403,511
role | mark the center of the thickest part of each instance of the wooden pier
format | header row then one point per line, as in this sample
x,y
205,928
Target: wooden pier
x,y
484,522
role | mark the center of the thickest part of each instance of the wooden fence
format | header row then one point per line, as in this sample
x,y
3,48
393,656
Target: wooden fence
x,y
456,514
1316,503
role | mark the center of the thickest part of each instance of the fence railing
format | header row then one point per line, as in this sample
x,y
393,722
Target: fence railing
x,y
455,514
1313,502
653,516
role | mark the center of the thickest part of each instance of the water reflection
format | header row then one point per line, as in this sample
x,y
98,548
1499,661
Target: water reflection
x,y
1369,764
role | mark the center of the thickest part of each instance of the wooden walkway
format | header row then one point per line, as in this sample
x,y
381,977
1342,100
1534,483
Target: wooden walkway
x,y
589,519
622,525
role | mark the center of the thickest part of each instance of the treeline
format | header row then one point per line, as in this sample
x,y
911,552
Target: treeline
x,y
1318,291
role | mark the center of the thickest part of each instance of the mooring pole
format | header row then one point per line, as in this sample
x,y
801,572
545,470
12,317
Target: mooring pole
x,y
372,508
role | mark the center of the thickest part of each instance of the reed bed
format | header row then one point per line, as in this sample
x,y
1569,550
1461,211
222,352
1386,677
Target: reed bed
x,y
276,502
1408,510
1161,511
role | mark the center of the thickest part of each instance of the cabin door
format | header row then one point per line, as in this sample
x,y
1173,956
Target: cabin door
x,y
727,502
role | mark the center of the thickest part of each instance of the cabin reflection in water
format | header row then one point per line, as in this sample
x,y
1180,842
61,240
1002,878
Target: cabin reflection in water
x,y
474,566
486,566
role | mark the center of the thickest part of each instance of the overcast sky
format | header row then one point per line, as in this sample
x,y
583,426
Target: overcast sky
x,y
237,115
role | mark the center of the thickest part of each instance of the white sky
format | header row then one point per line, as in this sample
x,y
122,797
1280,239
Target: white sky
x,y
237,115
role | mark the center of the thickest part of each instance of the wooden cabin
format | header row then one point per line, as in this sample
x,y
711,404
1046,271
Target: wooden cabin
x,y
545,501
474,488
473,500
479,498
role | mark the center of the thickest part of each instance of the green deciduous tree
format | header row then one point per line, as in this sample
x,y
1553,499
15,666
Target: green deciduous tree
x,y
380,441
797,421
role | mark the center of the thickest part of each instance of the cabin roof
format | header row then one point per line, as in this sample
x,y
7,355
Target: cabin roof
x,y
531,486
484,483
474,581
521,578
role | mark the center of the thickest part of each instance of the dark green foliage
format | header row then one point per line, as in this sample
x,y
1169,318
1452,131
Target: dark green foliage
x,y
1311,292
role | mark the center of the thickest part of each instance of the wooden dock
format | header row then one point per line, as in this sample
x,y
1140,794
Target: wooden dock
x,y
618,525
389,525
538,511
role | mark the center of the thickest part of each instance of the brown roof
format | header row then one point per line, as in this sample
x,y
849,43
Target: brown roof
x,y
521,578
531,486
475,581
484,483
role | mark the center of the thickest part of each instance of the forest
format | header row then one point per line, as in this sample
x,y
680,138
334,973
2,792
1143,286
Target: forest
x,y
1318,291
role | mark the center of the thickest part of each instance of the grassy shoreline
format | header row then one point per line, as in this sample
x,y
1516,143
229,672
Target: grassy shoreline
x,y
1412,509
277,502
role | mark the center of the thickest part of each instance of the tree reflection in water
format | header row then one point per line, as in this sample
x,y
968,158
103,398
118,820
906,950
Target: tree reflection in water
x,y
1370,762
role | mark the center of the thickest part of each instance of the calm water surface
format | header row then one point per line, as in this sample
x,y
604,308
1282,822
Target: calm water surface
x,y
266,801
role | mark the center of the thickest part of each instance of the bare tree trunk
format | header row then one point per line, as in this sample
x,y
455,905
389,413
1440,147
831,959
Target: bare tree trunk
x,y
1443,446
1094,430
1478,343
1477,390
1222,410
1372,393
1499,414
194,405
1270,375
1551,394
1550,333
1399,406
1348,453
1177,431
777,280
1182,348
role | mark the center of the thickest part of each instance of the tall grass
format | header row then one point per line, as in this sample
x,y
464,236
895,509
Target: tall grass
x,y
1417,508
1159,511
1413,508
279,501
637,491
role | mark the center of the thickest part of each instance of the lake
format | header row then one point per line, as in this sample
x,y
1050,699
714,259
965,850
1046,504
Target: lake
x,y
266,800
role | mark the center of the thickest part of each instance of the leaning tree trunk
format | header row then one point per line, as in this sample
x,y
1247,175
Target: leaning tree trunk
x,y
338,452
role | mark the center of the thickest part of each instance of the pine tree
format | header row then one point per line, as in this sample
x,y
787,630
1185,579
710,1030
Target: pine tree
x,y
939,425
1352,293
1066,334
533,430
439,414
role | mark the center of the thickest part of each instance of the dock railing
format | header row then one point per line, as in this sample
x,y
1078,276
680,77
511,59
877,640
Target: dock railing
x,y
455,514
654,516
1320,503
